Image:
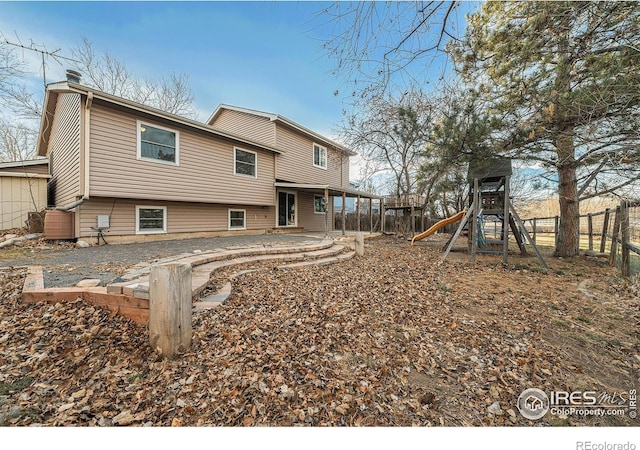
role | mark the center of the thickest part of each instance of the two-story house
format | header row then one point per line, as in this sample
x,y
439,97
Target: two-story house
x,y
160,176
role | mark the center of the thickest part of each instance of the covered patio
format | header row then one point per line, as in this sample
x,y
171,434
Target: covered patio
x,y
329,192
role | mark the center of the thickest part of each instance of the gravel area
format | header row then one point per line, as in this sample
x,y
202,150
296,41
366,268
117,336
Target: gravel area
x,y
67,266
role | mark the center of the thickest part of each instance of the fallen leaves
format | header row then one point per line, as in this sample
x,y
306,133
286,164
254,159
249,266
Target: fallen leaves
x,y
375,341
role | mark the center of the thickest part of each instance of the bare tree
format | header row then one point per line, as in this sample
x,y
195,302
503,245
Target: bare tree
x,y
390,135
382,46
17,141
105,72
19,108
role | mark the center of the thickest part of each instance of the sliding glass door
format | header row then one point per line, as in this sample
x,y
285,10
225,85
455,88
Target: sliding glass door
x,y
286,209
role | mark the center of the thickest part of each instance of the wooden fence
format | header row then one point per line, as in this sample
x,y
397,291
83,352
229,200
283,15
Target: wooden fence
x,y
614,231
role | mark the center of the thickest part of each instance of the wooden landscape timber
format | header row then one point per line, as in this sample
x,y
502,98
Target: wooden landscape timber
x,y
132,308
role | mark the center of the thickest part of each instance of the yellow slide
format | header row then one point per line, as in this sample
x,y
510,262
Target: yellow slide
x,y
437,226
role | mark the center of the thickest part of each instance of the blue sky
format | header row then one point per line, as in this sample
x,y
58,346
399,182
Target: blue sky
x,y
262,55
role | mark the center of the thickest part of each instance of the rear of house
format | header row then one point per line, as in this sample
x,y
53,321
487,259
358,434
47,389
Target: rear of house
x,y
309,173
152,175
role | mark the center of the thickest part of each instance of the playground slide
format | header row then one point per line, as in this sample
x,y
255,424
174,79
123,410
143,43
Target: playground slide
x,y
439,225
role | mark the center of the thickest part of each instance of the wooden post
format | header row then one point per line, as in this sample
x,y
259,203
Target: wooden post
x,y
518,235
382,216
396,220
170,308
590,230
528,237
360,243
455,236
358,214
344,210
474,220
326,212
605,229
505,220
413,221
624,231
371,215
535,226
614,238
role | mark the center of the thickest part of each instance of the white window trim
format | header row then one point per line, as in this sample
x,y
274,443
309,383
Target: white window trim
x,y
235,149
139,156
243,211
164,220
326,156
314,204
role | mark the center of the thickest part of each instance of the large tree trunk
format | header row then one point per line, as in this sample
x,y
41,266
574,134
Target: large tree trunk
x,y
568,240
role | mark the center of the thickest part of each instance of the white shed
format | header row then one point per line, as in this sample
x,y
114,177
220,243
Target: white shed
x,y
23,189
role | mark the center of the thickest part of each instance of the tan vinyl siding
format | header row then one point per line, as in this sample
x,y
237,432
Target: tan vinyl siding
x,y
345,171
19,195
65,144
296,164
309,220
181,217
205,172
256,128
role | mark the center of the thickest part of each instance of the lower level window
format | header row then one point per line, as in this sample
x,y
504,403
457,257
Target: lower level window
x,y
151,219
237,219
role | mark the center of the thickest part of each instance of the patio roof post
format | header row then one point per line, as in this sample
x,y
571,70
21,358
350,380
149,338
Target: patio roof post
x,y
358,213
413,221
382,212
370,215
326,212
344,209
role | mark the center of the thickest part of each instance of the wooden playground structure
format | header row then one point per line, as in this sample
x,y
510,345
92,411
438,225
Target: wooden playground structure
x,y
489,187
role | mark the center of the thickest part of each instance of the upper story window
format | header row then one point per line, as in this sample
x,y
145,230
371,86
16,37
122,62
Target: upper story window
x,y
156,143
319,156
245,163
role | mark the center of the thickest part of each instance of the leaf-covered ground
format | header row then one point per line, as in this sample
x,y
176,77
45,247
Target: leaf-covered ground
x,y
393,338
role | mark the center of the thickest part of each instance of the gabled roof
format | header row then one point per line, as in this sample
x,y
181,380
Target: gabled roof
x,y
278,118
54,89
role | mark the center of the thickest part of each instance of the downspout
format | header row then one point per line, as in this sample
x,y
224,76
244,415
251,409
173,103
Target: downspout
x,y
70,206
85,149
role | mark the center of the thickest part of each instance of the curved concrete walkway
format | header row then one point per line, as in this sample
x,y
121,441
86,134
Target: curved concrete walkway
x,y
129,295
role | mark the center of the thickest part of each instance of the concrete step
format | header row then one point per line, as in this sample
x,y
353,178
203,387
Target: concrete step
x,y
331,256
204,265
197,259
202,274
322,261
